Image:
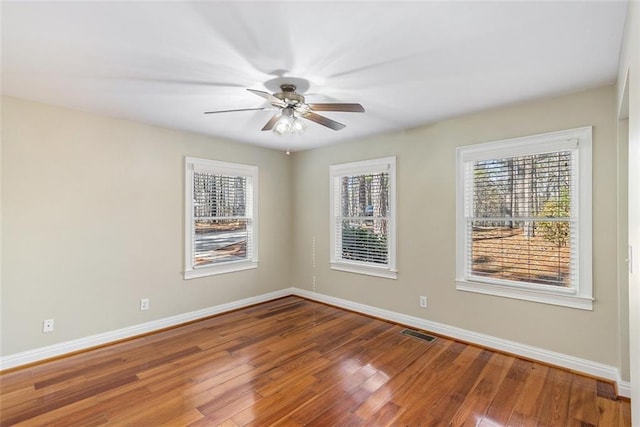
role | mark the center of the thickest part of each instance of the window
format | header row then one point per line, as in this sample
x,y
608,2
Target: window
x,y
363,217
220,217
524,218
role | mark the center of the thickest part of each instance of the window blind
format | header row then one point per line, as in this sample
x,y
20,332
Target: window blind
x,y
221,223
520,216
362,224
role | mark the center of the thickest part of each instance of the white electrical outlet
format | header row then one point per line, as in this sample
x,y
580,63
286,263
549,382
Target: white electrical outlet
x,y
423,302
144,304
47,326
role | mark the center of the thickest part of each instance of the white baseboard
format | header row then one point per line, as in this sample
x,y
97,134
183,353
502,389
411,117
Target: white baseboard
x,y
546,356
55,350
624,388
563,360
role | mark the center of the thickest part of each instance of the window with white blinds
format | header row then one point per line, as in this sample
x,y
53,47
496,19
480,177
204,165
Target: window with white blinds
x,y
524,223
221,218
363,217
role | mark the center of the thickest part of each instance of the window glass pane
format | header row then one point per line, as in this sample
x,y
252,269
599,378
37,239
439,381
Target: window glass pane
x,y
218,241
527,186
221,230
365,240
218,195
523,251
365,195
508,237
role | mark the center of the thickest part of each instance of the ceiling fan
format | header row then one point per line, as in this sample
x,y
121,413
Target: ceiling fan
x,y
292,106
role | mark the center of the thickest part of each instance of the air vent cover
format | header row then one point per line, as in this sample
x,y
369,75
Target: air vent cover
x,y
419,335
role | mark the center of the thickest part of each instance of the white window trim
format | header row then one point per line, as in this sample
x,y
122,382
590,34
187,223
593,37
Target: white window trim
x,y
386,164
193,164
580,296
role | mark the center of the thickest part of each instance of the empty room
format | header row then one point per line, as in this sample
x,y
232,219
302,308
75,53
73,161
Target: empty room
x,y
348,213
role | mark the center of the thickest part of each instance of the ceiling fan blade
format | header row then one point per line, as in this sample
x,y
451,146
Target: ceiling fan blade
x,y
351,108
272,121
324,121
266,95
239,109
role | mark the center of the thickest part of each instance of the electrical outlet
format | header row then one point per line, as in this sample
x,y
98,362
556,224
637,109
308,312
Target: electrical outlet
x,y
144,304
423,302
47,326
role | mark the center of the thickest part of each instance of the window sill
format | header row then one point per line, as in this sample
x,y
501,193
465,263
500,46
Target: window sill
x,y
228,267
535,295
365,269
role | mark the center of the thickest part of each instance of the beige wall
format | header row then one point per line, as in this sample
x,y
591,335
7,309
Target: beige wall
x,y
426,227
92,221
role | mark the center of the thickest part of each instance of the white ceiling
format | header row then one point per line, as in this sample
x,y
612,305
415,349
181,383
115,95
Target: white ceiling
x,y
407,63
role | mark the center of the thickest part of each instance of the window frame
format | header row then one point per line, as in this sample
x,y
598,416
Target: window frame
x,y
580,295
386,164
216,167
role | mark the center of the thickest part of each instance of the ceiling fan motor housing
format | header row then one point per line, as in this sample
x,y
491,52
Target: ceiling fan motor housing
x,y
289,95
288,87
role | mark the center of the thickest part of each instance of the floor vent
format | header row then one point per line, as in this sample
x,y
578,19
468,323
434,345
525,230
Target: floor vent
x,y
419,335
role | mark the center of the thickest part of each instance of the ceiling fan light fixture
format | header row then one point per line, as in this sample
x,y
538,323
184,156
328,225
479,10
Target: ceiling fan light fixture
x,y
283,126
298,127
288,123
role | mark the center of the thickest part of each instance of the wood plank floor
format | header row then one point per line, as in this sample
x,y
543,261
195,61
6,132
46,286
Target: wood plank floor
x,y
294,362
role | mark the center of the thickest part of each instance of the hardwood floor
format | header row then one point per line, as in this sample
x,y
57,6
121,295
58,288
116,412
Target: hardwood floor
x,y
295,362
